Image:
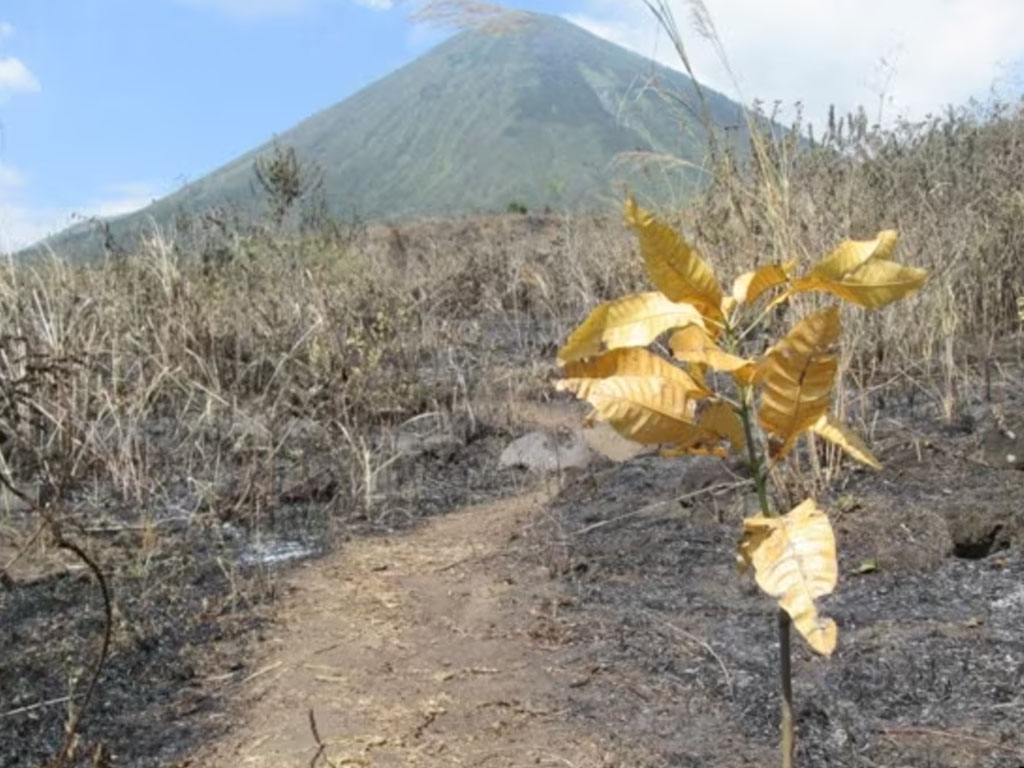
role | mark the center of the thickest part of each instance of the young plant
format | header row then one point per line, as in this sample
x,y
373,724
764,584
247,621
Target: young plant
x,y
775,398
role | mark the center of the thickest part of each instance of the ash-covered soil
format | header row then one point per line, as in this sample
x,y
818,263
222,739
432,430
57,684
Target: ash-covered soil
x,y
676,653
663,651
192,598
181,623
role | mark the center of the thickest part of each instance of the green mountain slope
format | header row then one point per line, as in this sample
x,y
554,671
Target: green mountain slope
x,y
535,115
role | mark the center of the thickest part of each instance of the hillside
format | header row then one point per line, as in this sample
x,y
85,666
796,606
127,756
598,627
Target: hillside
x,y
535,115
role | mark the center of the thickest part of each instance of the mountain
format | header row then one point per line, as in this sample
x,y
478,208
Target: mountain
x,y
535,115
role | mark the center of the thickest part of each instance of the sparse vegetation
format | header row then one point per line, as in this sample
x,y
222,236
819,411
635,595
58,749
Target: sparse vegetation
x,y
221,372
175,407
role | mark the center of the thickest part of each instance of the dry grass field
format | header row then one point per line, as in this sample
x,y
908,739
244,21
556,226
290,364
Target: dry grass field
x,y
198,415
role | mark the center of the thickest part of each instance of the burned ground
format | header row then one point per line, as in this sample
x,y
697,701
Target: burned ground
x,y
662,649
676,653
661,655
192,602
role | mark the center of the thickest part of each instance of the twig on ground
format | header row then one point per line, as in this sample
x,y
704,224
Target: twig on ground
x,y
38,705
711,489
320,746
97,669
707,647
916,730
261,672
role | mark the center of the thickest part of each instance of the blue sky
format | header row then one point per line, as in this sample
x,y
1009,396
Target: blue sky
x,y
106,104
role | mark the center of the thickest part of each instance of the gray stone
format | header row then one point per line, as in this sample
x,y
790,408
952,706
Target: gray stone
x,y
547,452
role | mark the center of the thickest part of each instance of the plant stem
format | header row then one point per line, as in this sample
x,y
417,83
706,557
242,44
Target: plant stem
x,y
756,467
786,731
786,688
764,313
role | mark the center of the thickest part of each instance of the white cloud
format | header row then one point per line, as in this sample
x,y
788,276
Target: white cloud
x,y
22,224
920,54
15,77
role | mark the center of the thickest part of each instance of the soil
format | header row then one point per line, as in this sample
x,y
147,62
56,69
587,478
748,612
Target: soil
x,y
593,618
437,648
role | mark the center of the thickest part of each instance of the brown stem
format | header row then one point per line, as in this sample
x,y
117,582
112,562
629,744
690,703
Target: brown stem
x,y
786,688
786,731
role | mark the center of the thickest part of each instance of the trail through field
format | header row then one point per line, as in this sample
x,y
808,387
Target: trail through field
x,y
426,648
572,625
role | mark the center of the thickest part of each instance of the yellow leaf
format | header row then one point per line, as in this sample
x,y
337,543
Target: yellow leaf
x,y
692,344
717,422
841,435
794,560
675,267
872,285
728,305
633,361
719,419
699,372
850,255
632,321
796,377
749,286
860,272
644,397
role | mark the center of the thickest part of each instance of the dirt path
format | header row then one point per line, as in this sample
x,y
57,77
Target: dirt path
x,y
424,649
452,645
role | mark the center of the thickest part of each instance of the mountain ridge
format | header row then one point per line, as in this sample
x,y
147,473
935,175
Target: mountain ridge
x,y
533,117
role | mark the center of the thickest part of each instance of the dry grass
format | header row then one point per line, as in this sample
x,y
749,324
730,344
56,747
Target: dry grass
x,y
182,374
221,370
195,377
950,185
185,374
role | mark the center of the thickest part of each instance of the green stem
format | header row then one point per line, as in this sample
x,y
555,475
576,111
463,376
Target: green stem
x,y
756,466
763,314
746,401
